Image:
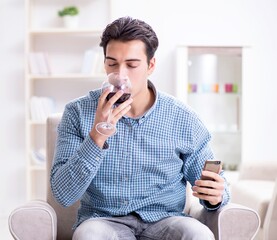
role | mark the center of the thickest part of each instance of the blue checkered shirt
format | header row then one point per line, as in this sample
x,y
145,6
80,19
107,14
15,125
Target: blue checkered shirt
x,y
144,168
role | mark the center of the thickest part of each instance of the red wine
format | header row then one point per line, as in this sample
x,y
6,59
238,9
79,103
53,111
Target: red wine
x,y
122,99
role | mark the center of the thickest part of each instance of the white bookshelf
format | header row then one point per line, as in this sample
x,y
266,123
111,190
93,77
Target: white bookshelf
x,y
209,79
63,51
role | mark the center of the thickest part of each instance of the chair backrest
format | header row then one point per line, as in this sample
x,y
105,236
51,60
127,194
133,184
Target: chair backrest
x,y
258,170
65,216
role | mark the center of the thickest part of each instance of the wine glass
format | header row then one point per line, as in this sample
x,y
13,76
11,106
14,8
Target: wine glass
x,y
116,81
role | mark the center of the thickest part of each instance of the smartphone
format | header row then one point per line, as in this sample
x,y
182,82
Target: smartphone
x,y
213,166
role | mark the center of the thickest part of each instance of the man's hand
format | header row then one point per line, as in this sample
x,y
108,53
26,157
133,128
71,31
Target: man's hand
x,y
105,111
209,190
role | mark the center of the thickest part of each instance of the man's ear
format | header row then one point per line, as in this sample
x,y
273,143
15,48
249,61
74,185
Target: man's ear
x,y
151,66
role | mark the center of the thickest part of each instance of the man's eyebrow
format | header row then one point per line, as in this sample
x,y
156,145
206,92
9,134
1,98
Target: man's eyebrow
x,y
107,57
133,60
127,60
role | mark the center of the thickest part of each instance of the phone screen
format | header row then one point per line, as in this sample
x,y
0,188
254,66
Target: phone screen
x,y
213,166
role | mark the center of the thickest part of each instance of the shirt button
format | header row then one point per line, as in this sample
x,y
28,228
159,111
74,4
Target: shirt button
x,y
97,158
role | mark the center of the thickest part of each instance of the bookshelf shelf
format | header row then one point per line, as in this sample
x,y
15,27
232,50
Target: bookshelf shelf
x,y
69,76
225,132
36,123
54,31
38,167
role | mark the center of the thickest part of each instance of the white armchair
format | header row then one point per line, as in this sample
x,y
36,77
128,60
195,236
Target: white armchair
x,y
48,220
256,188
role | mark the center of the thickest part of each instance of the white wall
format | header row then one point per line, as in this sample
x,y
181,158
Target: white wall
x,y
12,120
199,22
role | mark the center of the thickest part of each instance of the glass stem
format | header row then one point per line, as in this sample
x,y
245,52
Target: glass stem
x,y
110,114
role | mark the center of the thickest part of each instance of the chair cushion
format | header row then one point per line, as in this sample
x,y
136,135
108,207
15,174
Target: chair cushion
x,y
35,220
255,194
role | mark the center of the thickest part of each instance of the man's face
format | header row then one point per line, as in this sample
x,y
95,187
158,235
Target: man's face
x,y
129,58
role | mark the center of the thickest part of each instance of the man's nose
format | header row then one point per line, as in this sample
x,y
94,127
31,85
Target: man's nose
x,y
122,70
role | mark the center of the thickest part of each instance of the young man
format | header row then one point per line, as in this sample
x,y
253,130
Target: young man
x,y
132,185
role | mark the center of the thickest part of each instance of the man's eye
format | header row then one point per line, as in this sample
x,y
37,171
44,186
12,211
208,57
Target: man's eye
x,y
112,64
132,66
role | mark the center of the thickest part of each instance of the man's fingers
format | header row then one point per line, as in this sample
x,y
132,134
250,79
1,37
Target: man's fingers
x,y
212,199
121,110
212,175
114,98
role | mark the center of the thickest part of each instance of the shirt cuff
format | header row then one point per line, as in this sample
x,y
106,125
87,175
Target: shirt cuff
x,y
91,151
211,207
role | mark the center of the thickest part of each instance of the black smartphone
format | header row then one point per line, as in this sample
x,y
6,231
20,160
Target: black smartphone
x,y
213,166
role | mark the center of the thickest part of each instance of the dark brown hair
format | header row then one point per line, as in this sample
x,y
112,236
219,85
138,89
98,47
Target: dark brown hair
x,y
127,29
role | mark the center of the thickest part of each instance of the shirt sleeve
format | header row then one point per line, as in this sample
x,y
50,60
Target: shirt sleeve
x,y
76,161
199,138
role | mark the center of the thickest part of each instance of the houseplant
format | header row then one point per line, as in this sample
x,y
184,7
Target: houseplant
x,y
70,16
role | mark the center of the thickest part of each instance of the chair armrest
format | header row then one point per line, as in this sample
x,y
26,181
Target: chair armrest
x,y
34,220
231,220
270,222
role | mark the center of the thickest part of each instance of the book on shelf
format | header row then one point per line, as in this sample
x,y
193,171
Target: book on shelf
x,y
41,108
39,63
38,156
93,62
